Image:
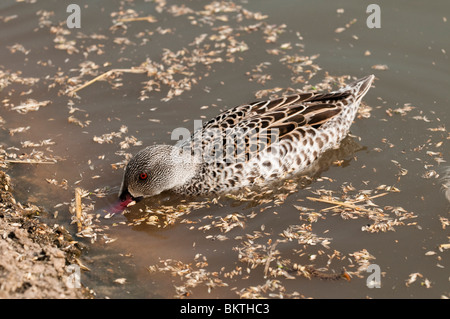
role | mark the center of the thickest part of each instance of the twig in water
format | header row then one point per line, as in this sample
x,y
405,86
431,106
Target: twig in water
x,y
78,193
339,204
149,19
356,201
103,75
26,161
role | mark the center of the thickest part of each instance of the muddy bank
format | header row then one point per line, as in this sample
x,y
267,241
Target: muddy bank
x,y
34,257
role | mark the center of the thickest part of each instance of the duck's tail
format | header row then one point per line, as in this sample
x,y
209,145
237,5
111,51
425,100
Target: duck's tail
x,y
360,87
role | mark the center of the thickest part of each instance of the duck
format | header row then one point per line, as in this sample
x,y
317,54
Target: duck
x,y
249,144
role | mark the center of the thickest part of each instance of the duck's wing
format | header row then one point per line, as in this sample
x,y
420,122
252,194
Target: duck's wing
x,y
303,109
251,128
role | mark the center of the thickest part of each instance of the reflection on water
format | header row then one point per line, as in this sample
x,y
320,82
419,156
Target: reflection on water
x,y
193,59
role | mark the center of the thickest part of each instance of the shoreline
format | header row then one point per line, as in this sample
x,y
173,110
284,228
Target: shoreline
x,y
34,257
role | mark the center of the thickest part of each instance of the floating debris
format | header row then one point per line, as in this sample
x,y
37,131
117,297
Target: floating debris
x,y
380,67
382,220
88,223
224,33
414,277
190,275
78,208
29,105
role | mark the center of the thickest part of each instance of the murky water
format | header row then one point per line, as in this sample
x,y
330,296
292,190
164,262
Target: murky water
x,y
230,248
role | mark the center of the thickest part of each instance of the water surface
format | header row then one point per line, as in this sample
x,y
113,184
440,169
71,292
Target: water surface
x,y
400,147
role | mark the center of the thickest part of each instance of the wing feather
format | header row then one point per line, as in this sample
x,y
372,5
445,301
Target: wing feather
x,y
284,115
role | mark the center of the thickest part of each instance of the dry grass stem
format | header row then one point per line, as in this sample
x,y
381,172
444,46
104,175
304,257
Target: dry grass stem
x,y
78,193
356,201
339,204
149,19
106,74
26,161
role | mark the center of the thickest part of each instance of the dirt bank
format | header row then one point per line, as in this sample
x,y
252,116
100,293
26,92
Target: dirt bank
x,y
34,257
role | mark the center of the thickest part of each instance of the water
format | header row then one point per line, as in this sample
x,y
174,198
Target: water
x,y
392,147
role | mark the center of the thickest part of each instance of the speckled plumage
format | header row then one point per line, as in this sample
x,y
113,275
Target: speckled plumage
x,y
248,144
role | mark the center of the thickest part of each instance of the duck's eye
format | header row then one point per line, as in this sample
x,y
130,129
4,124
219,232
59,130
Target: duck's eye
x,y
143,176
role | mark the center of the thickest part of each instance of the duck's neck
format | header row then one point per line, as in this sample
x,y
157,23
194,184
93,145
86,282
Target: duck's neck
x,y
185,166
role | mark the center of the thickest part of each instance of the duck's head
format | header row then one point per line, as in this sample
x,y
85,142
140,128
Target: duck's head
x,y
153,170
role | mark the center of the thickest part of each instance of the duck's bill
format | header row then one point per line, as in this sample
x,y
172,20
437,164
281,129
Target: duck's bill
x,y
125,200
